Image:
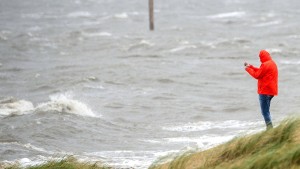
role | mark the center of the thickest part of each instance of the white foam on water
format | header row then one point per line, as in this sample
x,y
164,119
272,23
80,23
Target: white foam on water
x,y
64,103
207,125
141,44
236,14
203,142
288,62
94,87
125,159
180,48
145,42
274,50
28,162
32,147
31,161
79,14
11,106
27,146
97,34
277,22
123,15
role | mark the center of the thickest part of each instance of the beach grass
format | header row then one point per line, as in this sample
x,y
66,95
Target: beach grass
x,y
67,163
277,148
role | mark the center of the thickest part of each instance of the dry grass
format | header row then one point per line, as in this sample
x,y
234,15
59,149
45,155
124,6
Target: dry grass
x,y
68,163
276,148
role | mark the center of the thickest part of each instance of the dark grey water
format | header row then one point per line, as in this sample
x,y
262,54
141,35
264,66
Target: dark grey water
x,y
87,78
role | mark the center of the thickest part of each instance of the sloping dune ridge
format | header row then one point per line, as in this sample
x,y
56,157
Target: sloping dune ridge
x,y
275,148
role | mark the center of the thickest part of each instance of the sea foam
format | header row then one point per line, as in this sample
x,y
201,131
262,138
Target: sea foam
x,y
207,125
64,103
59,103
203,142
79,14
121,15
237,14
11,106
271,23
97,34
180,48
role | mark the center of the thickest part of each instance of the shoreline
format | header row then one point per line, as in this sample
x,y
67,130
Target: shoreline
x,y
274,148
252,150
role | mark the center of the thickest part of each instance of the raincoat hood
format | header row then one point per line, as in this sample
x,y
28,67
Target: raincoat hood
x,y
266,74
264,56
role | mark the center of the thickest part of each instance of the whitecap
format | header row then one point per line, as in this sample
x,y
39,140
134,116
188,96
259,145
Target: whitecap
x,y
274,50
141,44
121,15
203,142
32,147
63,103
287,62
237,14
264,24
145,42
180,48
96,34
94,87
125,158
11,106
92,78
79,14
27,162
207,125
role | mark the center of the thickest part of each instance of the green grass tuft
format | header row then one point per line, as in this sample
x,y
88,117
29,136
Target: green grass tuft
x,y
275,148
68,163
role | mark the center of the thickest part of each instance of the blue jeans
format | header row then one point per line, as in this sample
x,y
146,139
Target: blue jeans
x,y
265,102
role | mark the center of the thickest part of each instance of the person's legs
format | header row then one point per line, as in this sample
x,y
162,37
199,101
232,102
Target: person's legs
x,y
265,102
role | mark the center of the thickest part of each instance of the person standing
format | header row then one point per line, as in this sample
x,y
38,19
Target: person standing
x,y
267,86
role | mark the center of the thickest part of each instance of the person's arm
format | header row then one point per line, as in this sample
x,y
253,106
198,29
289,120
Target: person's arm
x,y
255,72
254,68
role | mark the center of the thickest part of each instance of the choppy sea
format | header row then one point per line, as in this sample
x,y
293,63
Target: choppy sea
x,y
87,78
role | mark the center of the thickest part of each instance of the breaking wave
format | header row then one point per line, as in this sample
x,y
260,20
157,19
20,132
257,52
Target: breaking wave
x,y
11,106
59,103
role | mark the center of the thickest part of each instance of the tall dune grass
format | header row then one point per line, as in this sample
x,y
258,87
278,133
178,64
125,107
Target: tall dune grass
x,y
275,148
68,163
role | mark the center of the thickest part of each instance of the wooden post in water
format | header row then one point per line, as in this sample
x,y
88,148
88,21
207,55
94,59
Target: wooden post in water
x,y
151,15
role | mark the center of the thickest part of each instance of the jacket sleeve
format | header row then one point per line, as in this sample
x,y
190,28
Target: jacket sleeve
x,y
254,68
255,72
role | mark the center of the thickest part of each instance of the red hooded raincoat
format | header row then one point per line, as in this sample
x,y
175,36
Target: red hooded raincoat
x,y
266,74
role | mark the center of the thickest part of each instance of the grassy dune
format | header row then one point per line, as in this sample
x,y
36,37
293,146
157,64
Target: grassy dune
x,y
68,163
277,148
